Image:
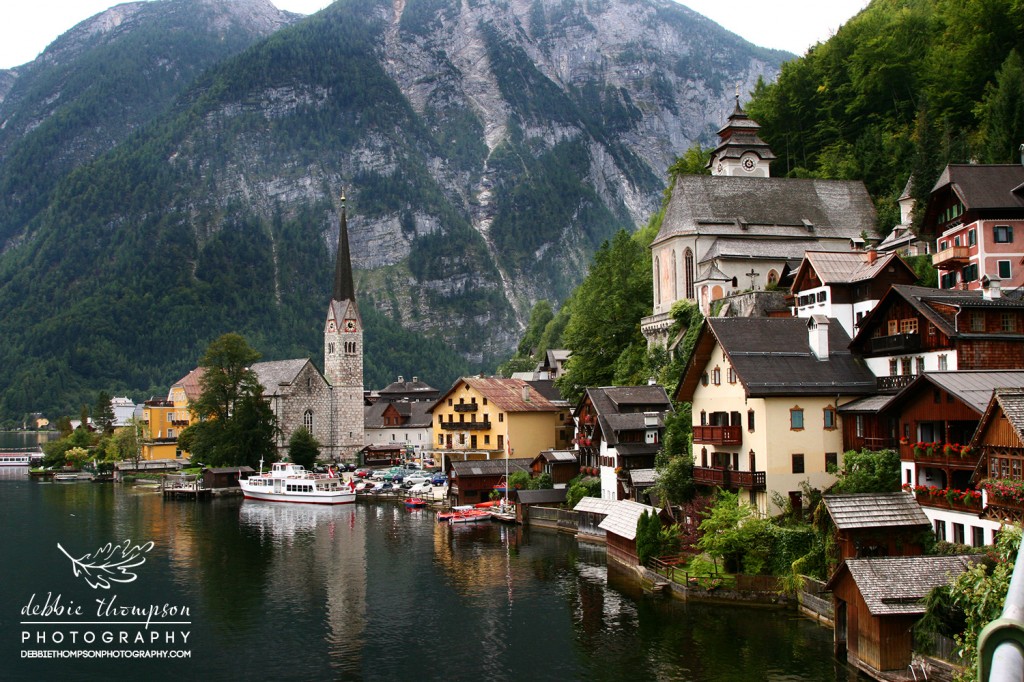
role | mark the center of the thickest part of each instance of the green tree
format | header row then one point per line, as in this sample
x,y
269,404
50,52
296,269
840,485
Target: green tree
x,y
236,426
126,443
605,313
868,471
675,480
648,537
103,413
1001,113
303,448
723,537
580,487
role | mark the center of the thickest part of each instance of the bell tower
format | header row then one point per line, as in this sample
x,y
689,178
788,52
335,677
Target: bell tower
x,y
343,352
741,151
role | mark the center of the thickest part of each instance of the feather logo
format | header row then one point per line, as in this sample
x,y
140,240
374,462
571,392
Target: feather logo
x,y
111,563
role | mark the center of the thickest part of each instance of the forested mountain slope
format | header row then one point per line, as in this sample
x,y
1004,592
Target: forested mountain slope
x,y
486,149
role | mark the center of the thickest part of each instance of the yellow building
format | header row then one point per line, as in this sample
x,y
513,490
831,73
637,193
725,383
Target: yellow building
x,y
482,418
165,419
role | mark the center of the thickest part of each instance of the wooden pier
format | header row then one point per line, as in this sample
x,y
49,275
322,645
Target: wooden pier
x,y
185,487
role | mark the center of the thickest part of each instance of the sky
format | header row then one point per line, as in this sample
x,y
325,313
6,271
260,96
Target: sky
x,y
793,25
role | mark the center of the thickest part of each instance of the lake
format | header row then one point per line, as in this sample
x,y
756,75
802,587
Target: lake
x,y
357,592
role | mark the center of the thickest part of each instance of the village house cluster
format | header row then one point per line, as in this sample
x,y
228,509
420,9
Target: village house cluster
x,y
816,341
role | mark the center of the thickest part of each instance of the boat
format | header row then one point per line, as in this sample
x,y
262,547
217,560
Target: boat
x,y
447,515
72,476
470,516
413,502
287,482
506,513
14,459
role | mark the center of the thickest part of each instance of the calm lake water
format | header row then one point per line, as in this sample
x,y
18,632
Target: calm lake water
x,y
358,592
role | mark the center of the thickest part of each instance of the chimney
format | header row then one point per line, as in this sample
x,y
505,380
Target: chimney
x,y
650,419
415,379
401,379
991,288
817,336
526,393
872,255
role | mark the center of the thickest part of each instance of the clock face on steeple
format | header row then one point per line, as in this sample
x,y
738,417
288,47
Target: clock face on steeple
x,y
749,162
350,325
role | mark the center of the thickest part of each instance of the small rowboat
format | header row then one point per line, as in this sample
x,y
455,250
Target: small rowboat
x,y
413,502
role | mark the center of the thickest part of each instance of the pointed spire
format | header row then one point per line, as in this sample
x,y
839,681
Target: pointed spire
x,y
344,289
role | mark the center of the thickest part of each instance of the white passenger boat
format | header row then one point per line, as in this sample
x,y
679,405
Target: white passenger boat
x,y
14,459
287,482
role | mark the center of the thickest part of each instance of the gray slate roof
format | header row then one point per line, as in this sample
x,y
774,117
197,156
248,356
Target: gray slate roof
x,y
622,518
546,496
796,208
973,387
898,585
595,505
621,408
643,477
416,414
272,375
565,456
984,186
490,467
875,510
770,249
772,356
847,267
867,405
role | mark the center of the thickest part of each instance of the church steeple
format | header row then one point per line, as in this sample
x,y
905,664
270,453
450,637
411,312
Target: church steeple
x,y
741,151
344,289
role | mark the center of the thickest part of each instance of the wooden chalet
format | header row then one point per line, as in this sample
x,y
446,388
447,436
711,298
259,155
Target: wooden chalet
x,y
473,481
561,465
620,530
877,601
1000,443
877,524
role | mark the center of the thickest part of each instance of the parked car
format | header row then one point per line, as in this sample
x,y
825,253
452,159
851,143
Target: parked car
x,y
423,488
439,479
365,485
417,477
347,466
363,472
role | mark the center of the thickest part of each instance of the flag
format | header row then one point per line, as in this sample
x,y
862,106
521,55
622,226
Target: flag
x,y
330,472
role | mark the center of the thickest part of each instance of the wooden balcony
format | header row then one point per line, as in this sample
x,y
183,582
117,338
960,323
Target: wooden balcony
x,y
465,426
938,457
727,478
894,384
952,257
466,407
718,435
896,343
940,502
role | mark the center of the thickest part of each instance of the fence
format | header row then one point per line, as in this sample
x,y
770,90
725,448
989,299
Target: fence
x,y
550,517
815,599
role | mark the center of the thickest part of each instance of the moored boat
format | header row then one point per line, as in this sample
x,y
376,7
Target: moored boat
x,y
413,502
470,516
287,482
14,459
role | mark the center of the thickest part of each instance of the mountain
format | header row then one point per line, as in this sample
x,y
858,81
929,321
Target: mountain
x,y
486,148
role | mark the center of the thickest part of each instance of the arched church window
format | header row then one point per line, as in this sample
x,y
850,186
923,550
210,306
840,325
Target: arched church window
x,y
688,266
773,278
657,280
307,420
675,280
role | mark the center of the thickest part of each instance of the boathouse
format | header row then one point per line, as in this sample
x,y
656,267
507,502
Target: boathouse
x,y
620,530
877,524
591,511
225,477
877,601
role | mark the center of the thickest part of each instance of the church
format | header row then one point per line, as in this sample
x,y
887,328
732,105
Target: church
x,y
329,404
740,229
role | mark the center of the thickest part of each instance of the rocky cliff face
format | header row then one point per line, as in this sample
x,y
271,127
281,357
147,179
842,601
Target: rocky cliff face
x,y
487,147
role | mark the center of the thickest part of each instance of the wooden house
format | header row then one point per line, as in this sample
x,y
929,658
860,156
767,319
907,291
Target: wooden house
x,y
1000,471
620,530
561,465
545,497
591,511
225,477
878,600
473,481
877,524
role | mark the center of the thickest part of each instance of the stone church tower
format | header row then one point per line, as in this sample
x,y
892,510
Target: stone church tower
x,y
741,152
343,352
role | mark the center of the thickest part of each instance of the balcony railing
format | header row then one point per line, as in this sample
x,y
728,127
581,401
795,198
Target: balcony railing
x,y
893,384
939,456
718,435
896,343
954,255
727,478
465,426
466,407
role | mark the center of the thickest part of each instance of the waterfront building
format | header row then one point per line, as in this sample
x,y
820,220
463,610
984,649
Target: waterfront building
x,y
406,424
473,481
765,394
163,419
876,524
619,527
482,418
620,429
